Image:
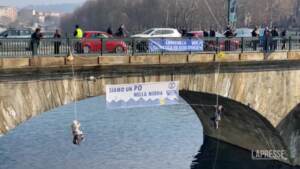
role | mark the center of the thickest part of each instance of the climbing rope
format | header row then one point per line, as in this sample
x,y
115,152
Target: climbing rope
x,y
217,105
71,58
75,93
216,84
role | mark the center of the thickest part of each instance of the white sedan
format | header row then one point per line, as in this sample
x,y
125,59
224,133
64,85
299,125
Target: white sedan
x,y
159,33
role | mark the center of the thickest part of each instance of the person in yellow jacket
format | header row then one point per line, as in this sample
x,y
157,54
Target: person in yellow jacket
x,y
78,34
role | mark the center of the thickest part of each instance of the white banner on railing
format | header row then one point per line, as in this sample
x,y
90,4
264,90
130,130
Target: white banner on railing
x,y
142,94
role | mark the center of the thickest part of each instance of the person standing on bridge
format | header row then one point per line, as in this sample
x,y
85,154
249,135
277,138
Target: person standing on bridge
x,y
255,40
57,41
267,39
212,33
109,31
78,34
35,41
205,33
283,37
121,31
228,34
275,35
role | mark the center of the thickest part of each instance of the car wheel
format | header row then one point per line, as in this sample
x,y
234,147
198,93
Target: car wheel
x,y
86,49
119,50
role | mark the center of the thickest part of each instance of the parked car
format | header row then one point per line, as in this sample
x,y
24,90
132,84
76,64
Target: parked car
x,y
211,44
159,33
92,43
2,29
16,33
142,44
195,34
12,45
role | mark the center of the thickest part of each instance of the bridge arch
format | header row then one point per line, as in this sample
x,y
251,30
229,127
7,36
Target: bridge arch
x,y
240,125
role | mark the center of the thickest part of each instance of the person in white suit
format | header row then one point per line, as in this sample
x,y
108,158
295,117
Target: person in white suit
x,y
77,133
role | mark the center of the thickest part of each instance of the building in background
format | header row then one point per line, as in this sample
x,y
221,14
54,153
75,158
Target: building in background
x,y
48,21
7,15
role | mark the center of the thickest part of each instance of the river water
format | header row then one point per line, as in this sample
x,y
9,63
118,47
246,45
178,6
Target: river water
x,y
166,137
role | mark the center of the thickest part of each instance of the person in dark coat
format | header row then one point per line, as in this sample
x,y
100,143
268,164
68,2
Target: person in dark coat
x,y
205,33
267,39
121,31
212,33
283,37
35,41
275,35
57,41
183,31
109,31
228,34
255,40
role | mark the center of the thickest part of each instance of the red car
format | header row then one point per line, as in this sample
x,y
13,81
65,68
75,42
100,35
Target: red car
x,y
195,34
210,45
92,43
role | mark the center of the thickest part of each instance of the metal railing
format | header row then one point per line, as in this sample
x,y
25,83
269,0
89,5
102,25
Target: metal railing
x,y
142,46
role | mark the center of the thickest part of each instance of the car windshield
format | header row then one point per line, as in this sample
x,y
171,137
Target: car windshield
x,y
94,35
147,32
100,35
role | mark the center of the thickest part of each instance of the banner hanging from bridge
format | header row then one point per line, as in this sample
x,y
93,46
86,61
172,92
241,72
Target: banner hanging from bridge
x,y
232,17
142,94
173,45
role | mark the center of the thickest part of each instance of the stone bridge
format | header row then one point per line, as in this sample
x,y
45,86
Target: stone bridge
x,y
266,85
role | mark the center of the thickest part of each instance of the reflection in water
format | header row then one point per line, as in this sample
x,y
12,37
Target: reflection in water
x,y
144,138
230,157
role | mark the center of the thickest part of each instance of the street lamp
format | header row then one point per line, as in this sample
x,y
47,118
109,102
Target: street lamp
x,y
232,15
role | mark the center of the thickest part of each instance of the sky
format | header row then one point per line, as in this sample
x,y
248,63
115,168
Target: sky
x,y
22,3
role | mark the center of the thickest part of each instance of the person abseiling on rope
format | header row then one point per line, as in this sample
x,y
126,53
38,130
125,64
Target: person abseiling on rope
x,y
77,133
217,116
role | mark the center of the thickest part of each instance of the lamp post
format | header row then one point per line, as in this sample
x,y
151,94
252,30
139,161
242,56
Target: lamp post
x,y
228,12
232,15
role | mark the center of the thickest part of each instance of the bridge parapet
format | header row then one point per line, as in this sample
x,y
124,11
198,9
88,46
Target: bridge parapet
x,y
7,63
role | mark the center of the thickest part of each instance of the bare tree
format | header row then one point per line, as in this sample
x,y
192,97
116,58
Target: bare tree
x,y
138,15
